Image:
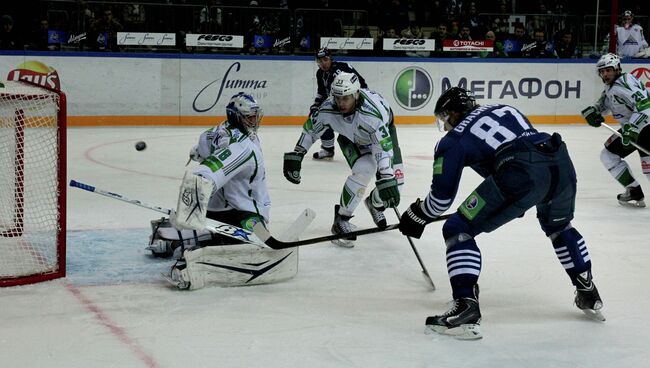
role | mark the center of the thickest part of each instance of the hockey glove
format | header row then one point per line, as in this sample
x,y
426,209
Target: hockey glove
x,y
414,220
593,117
388,191
630,134
313,108
292,166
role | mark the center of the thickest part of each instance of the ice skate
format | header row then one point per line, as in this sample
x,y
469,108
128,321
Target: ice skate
x,y
325,154
175,276
377,214
342,225
587,297
633,197
462,321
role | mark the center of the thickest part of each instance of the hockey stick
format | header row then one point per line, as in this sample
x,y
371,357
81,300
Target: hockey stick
x,y
263,233
425,272
620,135
214,226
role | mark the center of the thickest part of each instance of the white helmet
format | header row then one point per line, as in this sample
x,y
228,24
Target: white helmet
x,y
345,84
609,60
244,112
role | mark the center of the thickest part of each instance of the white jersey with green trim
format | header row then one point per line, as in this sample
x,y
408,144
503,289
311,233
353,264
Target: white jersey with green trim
x,y
627,100
234,162
367,127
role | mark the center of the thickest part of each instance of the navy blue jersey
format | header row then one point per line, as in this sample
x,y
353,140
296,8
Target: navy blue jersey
x,y
325,79
472,143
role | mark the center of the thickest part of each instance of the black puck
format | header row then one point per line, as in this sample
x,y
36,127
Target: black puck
x,y
140,146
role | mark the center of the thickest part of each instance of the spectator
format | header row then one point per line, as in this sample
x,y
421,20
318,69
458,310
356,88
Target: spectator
x,y
413,31
514,43
134,17
107,26
497,51
564,47
464,34
439,35
630,39
9,39
379,45
39,39
539,48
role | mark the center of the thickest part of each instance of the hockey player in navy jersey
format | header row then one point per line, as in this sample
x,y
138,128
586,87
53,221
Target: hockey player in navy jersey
x,y
523,168
328,69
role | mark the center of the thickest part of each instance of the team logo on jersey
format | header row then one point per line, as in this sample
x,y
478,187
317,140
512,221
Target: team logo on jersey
x,y
643,75
472,205
413,88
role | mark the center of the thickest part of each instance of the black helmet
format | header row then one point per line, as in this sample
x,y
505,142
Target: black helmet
x,y
323,52
454,99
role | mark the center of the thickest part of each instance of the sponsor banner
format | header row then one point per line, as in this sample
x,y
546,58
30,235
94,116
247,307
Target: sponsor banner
x,y
146,39
214,40
76,39
347,43
409,44
467,45
36,72
263,41
56,37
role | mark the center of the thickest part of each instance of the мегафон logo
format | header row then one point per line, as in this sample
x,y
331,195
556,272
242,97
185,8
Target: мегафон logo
x,y
413,88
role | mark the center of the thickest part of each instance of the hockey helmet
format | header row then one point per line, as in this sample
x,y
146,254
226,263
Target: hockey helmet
x,y
345,84
608,60
244,112
323,52
454,99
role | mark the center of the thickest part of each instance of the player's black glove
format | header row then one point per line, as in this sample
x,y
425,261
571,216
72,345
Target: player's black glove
x,y
413,220
593,117
388,191
292,166
313,108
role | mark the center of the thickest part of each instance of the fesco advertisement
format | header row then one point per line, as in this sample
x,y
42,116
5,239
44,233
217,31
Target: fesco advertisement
x,y
168,90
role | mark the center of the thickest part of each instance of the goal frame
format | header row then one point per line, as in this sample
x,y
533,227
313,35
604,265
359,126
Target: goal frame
x,y
60,185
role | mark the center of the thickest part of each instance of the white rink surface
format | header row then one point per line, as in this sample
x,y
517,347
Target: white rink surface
x,y
360,307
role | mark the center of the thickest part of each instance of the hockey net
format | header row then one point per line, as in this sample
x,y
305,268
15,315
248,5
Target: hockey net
x,y
32,183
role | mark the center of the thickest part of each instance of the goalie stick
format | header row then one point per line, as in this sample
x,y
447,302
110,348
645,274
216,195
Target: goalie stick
x,y
263,233
221,228
620,135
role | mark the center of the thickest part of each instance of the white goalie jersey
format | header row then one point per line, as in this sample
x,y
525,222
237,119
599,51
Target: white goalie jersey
x,y
234,162
367,127
627,100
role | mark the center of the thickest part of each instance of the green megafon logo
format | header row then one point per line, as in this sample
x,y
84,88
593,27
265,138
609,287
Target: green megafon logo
x,y
413,88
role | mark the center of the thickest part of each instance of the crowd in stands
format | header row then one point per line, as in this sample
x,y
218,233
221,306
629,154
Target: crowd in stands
x,y
545,29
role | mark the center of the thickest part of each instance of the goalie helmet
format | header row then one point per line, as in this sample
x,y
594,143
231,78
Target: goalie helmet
x,y
345,84
244,112
455,99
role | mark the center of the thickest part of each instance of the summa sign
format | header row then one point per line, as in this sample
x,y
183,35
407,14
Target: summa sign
x,y
409,44
214,40
230,84
347,43
146,39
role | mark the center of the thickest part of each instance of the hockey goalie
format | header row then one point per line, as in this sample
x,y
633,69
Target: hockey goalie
x,y
228,186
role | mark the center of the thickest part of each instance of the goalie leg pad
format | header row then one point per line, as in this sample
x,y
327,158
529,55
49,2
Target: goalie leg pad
x,y
193,201
236,265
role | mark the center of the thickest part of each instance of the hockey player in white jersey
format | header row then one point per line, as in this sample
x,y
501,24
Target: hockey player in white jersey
x,y
368,140
629,37
629,102
229,186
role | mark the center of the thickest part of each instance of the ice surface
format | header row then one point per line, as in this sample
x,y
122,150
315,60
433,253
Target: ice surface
x,y
360,307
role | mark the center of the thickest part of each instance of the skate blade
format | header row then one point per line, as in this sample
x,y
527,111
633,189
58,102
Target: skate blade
x,y
344,243
182,285
633,204
596,315
462,332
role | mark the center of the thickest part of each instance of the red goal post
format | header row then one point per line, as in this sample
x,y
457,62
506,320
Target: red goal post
x,y
32,183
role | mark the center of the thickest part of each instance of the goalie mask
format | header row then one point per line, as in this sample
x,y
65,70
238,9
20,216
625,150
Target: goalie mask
x,y
609,61
345,90
244,113
454,100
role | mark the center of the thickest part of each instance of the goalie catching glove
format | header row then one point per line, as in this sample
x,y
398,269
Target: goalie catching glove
x,y
292,166
593,117
414,220
388,191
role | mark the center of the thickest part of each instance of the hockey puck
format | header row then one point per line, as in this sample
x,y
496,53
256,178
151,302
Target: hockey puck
x,y
140,146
